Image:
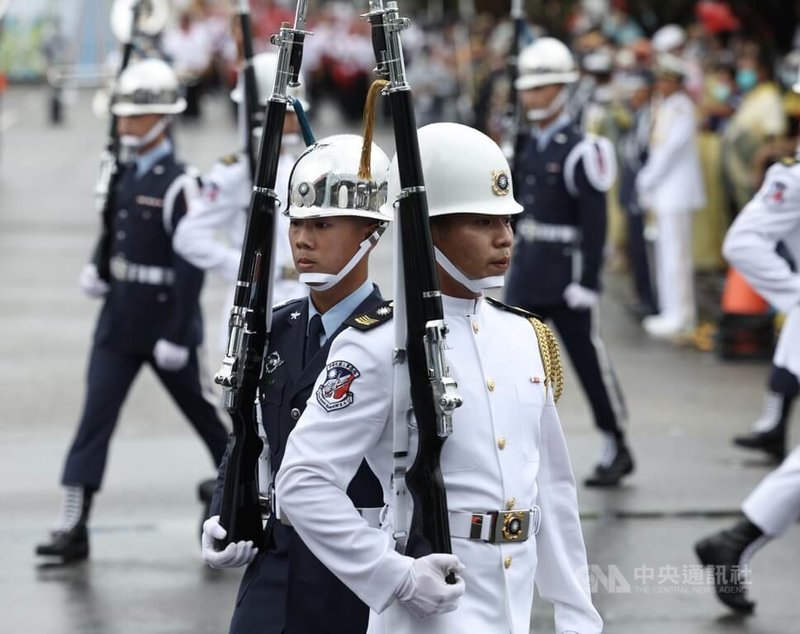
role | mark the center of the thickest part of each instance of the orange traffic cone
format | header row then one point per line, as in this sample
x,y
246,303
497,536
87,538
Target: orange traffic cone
x,y
745,327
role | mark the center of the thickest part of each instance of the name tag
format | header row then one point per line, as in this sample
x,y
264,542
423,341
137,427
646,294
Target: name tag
x,y
150,201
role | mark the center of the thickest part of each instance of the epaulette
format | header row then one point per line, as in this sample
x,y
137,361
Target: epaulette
x,y
548,347
229,159
367,321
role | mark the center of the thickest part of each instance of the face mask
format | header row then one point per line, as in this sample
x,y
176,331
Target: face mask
x,y
721,92
746,78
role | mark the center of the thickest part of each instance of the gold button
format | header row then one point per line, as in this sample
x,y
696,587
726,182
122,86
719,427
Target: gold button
x,y
511,503
501,443
507,562
490,385
475,327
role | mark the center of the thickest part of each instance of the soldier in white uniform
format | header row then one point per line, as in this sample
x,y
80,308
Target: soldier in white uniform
x,y
506,457
770,218
671,186
225,198
770,223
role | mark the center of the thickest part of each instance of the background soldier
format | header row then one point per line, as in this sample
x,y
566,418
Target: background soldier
x,y
151,313
333,229
225,199
507,450
770,218
670,184
563,177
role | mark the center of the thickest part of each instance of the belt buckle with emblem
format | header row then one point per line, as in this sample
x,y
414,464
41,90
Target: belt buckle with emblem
x,y
511,526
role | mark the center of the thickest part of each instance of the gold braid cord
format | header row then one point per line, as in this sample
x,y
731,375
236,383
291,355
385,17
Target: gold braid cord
x,y
551,357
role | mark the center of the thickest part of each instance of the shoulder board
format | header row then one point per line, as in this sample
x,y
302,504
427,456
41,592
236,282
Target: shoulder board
x,y
229,159
367,321
287,302
510,309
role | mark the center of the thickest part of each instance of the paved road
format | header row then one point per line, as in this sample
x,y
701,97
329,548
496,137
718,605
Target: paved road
x,y
145,574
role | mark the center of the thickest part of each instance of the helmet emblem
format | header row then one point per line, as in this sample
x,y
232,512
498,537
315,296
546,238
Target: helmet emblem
x,y
501,184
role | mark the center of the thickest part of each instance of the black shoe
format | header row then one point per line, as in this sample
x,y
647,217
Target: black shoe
x,y
611,474
723,551
69,546
772,442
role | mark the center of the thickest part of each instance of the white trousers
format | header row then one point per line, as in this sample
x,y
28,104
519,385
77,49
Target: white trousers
x,y
675,266
774,505
787,352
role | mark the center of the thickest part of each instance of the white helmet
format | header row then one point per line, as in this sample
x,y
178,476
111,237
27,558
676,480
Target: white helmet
x,y
465,172
668,38
546,62
325,181
147,86
265,65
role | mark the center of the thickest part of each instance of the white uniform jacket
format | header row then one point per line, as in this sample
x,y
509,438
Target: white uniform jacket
x,y
671,180
507,450
222,207
773,216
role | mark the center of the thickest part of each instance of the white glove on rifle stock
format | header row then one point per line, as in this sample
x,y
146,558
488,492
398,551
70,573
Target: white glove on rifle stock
x,y
235,554
424,591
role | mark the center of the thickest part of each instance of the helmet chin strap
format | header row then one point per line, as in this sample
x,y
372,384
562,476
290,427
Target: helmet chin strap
x,y
542,114
475,286
135,142
326,281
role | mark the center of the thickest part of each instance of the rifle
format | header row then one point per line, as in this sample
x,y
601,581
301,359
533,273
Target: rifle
x,y
106,187
511,119
251,316
433,391
250,100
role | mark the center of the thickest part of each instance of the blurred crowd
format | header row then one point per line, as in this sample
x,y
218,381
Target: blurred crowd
x,y
746,115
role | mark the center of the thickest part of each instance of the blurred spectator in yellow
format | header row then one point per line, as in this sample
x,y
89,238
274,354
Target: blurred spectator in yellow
x,y
759,119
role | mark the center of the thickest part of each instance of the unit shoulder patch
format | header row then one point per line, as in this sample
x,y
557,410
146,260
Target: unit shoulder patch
x,y
379,315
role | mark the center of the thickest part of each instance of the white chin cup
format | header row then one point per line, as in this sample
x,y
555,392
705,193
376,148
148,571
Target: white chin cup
x,y
475,286
135,142
326,281
542,114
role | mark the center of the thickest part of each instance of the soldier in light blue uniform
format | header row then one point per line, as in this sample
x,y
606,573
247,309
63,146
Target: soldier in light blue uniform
x,y
151,313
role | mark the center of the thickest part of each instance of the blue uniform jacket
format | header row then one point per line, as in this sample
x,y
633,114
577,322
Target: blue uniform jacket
x,y
154,293
316,601
542,270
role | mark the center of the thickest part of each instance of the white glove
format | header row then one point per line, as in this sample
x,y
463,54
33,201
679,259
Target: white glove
x,y
235,554
169,356
424,591
579,297
90,282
